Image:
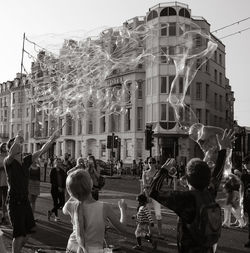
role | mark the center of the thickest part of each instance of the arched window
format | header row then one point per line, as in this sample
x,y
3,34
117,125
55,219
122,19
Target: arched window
x,y
184,13
169,11
153,14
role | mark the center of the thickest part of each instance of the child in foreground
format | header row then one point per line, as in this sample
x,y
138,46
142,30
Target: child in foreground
x,y
203,187
88,216
144,221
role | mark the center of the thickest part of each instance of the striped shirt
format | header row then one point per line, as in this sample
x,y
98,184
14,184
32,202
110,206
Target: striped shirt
x,y
143,215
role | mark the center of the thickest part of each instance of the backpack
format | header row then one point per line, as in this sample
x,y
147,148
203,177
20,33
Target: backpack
x,y
206,227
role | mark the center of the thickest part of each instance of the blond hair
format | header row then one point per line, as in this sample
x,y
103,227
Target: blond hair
x,y
79,184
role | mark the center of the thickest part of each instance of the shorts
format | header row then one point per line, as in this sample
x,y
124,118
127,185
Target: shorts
x,y
142,230
21,217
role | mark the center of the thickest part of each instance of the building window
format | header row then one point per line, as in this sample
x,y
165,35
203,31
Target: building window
x,y
5,113
180,84
198,40
102,123
170,82
172,29
207,92
220,59
90,127
198,93
220,78
164,29
46,128
69,126
215,56
79,126
19,113
164,55
163,112
128,120
128,148
215,75
139,118
215,100
13,113
139,147
152,15
20,97
163,84
171,116
198,114
183,12
168,11
140,92
32,130
13,98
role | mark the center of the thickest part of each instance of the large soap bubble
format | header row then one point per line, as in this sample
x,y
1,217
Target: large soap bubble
x,y
205,136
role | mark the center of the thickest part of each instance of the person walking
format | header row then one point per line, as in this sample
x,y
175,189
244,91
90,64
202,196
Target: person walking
x,y
147,178
17,169
58,184
3,184
94,172
245,192
144,221
34,184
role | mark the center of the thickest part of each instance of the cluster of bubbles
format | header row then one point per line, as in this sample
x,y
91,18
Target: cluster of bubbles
x,y
76,77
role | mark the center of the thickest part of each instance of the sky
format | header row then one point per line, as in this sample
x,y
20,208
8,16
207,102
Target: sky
x,y
47,18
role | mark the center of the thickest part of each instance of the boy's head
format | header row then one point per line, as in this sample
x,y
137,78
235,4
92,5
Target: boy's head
x,y
198,174
79,184
142,199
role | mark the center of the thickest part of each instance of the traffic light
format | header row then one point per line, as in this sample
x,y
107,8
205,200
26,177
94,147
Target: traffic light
x,y
109,141
237,143
116,141
149,139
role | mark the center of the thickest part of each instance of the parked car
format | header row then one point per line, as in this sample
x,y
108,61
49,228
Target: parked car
x,y
105,168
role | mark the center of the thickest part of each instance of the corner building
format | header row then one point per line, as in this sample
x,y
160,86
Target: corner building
x,y
210,97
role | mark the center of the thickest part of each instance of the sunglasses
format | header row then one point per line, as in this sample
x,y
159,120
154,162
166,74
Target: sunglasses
x,y
152,162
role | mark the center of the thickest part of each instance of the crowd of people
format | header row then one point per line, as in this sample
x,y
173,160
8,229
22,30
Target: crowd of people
x,y
75,190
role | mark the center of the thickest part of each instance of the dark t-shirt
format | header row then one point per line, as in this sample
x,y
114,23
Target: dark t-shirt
x,y
245,178
18,176
183,203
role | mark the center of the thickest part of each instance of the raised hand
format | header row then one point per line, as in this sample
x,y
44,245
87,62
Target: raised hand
x,y
168,165
225,141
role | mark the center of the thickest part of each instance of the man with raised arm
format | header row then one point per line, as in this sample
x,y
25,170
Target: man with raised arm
x,y
17,171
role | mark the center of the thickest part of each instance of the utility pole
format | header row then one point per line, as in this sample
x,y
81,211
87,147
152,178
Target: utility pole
x,y
112,156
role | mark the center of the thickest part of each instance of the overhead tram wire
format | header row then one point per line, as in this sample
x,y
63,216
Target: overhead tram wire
x,y
229,35
224,27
